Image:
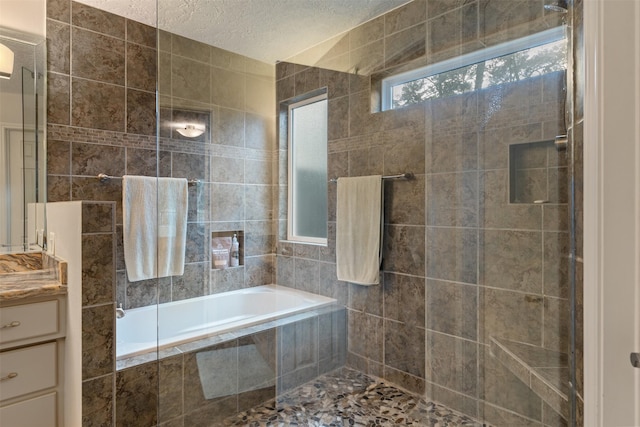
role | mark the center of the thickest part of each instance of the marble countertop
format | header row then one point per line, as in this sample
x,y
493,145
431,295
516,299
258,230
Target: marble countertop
x,y
26,282
30,288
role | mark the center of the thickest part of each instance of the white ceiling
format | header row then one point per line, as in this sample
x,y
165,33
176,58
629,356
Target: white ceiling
x,y
267,30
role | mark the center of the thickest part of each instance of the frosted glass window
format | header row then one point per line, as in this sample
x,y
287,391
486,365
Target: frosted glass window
x,y
307,220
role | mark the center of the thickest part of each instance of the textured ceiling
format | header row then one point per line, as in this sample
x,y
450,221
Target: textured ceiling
x,y
268,30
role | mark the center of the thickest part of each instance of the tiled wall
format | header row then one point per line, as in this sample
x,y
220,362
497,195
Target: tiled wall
x,y
426,327
428,31
461,263
101,119
209,380
98,322
197,386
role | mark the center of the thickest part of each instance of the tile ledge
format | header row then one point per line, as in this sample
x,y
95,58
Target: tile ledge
x,y
505,352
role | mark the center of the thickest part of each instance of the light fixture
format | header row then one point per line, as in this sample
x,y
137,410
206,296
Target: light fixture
x,y
190,131
559,6
6,62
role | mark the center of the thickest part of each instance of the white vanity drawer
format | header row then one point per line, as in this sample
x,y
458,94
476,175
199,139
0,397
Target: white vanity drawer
x,y
39,411
27,370
27,321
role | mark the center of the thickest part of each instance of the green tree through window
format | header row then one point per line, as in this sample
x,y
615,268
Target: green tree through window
x,y
509,68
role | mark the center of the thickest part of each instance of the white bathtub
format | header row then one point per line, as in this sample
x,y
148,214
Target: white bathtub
x,y
143,330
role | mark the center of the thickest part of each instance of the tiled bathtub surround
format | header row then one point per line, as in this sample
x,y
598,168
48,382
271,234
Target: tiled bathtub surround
x,y
250,365
202,383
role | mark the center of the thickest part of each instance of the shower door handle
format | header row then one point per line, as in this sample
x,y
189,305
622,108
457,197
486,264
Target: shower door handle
x,y
561,142
635,360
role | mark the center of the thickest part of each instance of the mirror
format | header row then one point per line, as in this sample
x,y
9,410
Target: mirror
x,y
22,141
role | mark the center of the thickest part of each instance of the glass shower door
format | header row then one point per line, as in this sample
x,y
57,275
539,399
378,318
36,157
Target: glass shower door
x,y
498,336
524,306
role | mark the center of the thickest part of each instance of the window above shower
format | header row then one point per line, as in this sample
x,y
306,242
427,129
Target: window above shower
x,y
535,55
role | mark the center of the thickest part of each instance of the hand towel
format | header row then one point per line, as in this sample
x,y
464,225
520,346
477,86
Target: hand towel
x,y
154,226
359,229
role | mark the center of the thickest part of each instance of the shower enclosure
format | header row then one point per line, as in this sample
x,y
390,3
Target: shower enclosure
x,y
476,305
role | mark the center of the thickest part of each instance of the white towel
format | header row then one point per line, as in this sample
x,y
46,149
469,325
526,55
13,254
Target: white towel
x,y
358,229
154,226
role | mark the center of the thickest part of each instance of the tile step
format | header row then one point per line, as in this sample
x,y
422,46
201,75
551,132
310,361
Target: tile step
x,y
544,371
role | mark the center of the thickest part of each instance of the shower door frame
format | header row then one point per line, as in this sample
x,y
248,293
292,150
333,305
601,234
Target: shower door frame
x,y
611,232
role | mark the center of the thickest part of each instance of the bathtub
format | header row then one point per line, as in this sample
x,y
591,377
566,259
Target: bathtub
x,y
146,329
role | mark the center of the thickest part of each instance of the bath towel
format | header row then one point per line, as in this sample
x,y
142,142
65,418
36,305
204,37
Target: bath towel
x,y
154,226
359,229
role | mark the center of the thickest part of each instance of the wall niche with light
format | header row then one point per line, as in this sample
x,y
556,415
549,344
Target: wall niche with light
x,y
185,124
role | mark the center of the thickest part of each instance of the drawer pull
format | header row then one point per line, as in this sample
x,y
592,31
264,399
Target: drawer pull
x,y
11,325
11,376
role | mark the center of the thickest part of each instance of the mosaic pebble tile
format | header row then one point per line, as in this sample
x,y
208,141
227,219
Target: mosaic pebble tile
x,y
348,398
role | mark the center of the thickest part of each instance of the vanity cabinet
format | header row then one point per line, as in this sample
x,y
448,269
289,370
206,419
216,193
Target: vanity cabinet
x,y
31,355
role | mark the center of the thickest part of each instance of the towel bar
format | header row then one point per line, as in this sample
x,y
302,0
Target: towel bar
x,y
407,175
103,177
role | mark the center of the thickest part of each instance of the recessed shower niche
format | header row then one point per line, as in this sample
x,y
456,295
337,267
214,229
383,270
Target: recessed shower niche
x,y
538,173
223,249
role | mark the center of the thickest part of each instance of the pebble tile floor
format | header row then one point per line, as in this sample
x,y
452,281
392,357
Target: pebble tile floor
x,y
349,398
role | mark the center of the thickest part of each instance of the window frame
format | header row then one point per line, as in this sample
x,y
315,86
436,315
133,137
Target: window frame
x,y
534,40
291,236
